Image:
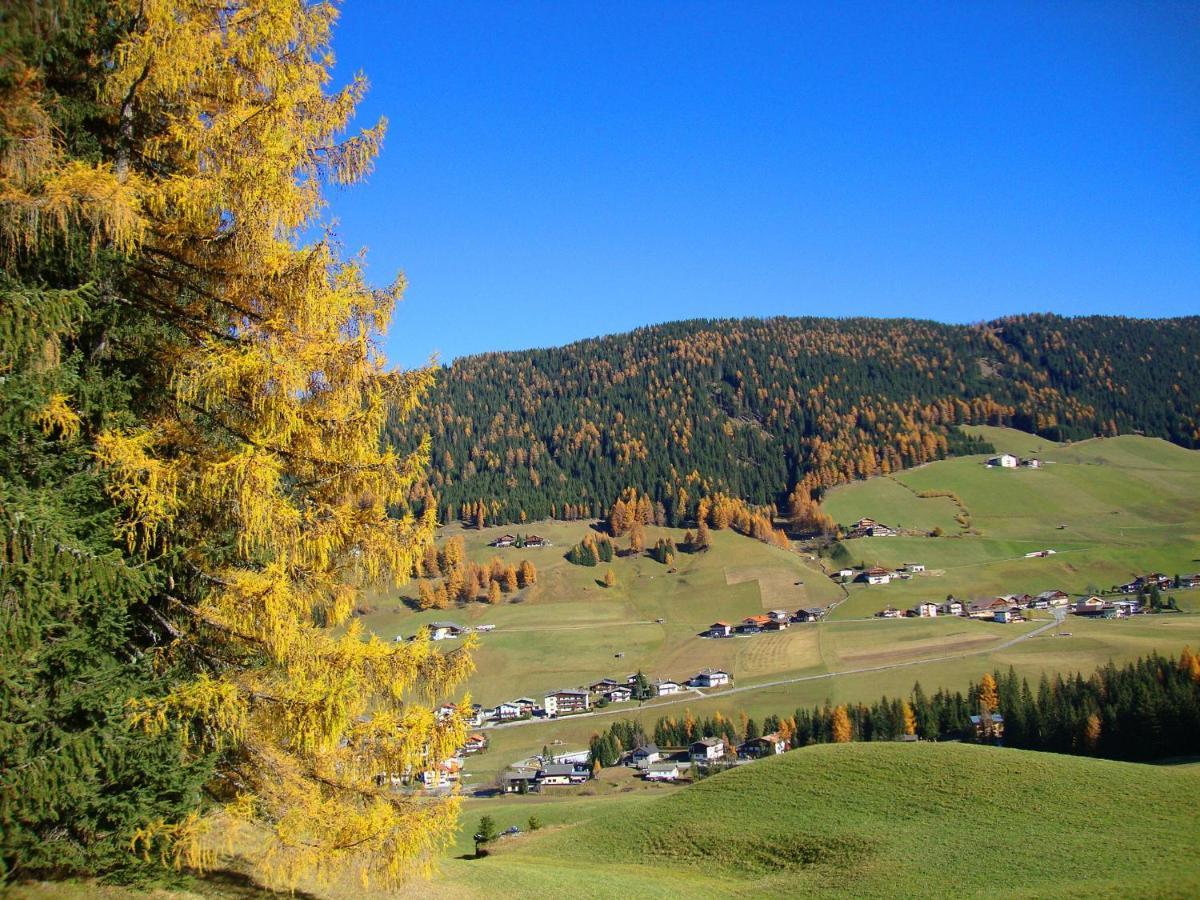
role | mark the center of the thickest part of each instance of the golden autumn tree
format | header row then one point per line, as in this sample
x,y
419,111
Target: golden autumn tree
x,y
262,474
910,718
989,696
840,726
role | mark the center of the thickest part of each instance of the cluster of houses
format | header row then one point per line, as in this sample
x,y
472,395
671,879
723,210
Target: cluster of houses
x,y
569,701
516,540
1157,580
775,620
870,528
878,574
1009,461
651,763
1006,608
448,631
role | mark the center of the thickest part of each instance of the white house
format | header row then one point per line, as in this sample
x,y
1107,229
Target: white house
x,y
914,567
711,678
508,710
663,771
645,755
1003,461
952,607
707,749
619,694
666,688
877,575
562,702
443,631
844,573
928,609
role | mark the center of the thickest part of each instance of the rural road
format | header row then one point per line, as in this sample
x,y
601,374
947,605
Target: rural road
x,y
689,697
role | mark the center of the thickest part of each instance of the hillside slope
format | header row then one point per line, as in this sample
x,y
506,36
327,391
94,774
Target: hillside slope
x,y
874,820
756,407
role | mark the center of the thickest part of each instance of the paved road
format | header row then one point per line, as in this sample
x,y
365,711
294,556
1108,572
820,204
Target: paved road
x,y
690,697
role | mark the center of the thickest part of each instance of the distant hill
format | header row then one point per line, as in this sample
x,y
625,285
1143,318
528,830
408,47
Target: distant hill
x,y
874,819
758,407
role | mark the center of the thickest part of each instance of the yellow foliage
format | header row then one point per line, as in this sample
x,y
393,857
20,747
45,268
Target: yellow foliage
x,y
263,472
57,416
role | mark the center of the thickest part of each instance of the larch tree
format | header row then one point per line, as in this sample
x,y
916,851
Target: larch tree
x,y
840,726
989,696
256,482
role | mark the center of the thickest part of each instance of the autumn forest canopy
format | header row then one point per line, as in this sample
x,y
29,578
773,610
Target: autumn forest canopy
x,y
772,411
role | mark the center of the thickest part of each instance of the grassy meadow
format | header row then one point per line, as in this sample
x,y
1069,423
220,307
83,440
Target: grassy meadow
x,y
859,820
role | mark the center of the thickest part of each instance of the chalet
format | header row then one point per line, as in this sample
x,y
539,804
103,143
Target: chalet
x,y
776,625
876,575
711,678
476,743
505,540
619,694
952,607
663,771
602,686
889,612
645,755
534,541
518,781
1031,463
812,614
445,711
767,745
913,568
927,610
759,621
1047,599
1126,608
475,719
707,749
748,628
1003,461
995,726
779,615
563,773
843,574
720,630
870,528
506,711
445,775
444,631
986,609
1088,606
666,688
1021,600
1008,616
564,702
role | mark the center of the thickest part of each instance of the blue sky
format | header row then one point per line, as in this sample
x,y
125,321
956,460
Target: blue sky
x,y
559,170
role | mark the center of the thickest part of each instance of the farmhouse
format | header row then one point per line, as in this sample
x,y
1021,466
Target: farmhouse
x,y
711,678
707,749
666,688
602,686
870,528
443,631
889,612
565,702
476,743
1031,463
876,575
506,711
505,540
812,614
1047,599
534,541
927,610
1003,461
619,694
913,568
767,745
952,607
986,609
645,755
779,615
563,773
776,625
1007,616
843,574
518,781
663,771
720,629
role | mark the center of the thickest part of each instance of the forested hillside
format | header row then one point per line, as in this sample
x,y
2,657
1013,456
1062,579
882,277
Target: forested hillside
x,y
761,408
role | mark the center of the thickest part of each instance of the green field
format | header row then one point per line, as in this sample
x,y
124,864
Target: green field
x,y
1112,509
858,820
1131,504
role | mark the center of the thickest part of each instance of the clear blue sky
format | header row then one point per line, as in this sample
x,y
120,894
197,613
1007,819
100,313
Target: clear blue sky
x,y
557,170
